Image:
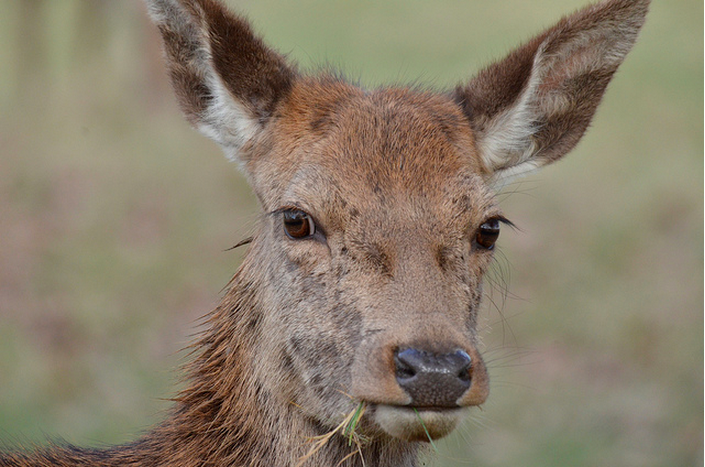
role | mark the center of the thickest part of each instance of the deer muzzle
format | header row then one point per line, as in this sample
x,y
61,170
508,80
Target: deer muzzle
x,y
420,393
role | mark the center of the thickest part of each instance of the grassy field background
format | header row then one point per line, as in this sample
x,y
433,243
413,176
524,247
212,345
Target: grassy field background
x,y
114,218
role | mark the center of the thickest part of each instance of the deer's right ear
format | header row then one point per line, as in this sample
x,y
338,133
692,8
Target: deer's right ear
x,y
228,82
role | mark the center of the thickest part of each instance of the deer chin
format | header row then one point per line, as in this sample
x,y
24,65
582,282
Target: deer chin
x,y
409,424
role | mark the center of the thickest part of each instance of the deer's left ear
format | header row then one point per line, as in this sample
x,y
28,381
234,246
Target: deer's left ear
x,y
531,108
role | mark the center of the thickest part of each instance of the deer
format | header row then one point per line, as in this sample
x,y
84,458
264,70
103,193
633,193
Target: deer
x,y
348,336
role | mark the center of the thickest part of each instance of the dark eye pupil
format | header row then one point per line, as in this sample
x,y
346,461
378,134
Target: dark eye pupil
x,y
487,234
298,224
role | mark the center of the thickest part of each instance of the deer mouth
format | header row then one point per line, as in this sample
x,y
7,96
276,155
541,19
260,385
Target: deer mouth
x,y
418,424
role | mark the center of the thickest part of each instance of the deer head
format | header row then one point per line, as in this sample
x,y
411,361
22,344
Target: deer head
x,y
379,215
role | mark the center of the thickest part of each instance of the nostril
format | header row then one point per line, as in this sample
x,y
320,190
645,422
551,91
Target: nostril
x,y
404,363
465,363
405,373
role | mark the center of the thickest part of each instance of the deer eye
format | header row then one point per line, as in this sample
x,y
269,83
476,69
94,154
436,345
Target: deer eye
x,y
298,224
487,234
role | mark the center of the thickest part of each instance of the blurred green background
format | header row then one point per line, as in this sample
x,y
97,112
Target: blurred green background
x,y
114,218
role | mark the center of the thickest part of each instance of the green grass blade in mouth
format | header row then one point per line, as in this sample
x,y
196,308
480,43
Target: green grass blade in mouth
x,y
428,435
350,428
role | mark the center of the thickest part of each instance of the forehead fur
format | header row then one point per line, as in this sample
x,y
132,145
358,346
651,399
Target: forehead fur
x,y
390,142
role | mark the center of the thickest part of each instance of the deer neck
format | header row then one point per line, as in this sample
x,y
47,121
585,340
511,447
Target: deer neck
x,y
227,417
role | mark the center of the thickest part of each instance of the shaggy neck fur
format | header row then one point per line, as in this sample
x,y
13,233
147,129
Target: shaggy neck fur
x,y
227,417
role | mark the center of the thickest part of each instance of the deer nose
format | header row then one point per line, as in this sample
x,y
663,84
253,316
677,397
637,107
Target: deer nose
x,y
433,380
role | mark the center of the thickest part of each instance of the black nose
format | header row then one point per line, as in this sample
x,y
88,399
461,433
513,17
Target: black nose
x,y
433,380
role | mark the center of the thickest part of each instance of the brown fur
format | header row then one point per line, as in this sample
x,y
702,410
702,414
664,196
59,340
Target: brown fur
x,y
398,182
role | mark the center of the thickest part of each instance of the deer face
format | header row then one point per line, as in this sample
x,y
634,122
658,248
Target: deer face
x,y
379,218
378,232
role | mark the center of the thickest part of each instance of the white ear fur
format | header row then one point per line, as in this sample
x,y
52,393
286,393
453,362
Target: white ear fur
x,y
506,147
226,121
